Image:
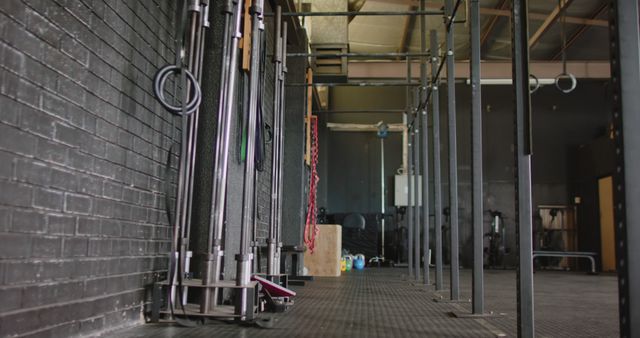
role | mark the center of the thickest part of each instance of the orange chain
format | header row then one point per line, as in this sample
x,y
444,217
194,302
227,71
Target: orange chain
x,y
311,228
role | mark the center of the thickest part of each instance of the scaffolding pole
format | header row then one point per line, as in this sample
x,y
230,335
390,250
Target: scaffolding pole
x,y
453,155
476,154
244,257
425,147
416,188
361,13
409,175
520,56
354,84
437,178
625,70
357,55
359,111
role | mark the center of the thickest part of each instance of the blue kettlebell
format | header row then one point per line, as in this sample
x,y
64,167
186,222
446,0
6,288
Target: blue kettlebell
x,y
358,262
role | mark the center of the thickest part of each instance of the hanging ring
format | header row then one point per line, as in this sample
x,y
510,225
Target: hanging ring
x,y
536,84
564,76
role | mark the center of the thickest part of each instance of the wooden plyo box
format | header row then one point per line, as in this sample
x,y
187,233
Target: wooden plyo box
x,y
325,259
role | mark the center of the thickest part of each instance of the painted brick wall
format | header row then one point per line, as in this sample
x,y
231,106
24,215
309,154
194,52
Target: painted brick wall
x,y
82,149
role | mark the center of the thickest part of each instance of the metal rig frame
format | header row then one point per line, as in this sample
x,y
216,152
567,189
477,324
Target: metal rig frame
x,y
624,34
625,46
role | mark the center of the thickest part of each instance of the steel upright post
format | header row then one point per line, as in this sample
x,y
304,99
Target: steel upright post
x,y
283,75
382,196
214,257
625,70
520,55
409,176
243,258
437,178
416,192
476,154
275,159
425,147
453,156
410,202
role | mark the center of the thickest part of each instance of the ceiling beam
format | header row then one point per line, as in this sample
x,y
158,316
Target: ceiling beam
x,y
553,16
579,32
507,13
492,23
409,25
489,69
542,17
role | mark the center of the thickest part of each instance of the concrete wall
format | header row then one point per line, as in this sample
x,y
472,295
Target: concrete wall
x,y
351,160
83,144
561,122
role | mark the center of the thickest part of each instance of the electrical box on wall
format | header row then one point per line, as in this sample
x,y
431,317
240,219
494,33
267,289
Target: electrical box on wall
x,y
402,189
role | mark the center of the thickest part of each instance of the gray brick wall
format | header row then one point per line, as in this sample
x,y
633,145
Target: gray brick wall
x,y
82,149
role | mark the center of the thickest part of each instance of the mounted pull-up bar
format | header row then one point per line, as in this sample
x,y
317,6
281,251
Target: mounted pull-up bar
x,y
361,13
360,111
358,55
354,84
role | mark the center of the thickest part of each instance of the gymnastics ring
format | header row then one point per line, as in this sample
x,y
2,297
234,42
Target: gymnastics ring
x,y
574,82
536,84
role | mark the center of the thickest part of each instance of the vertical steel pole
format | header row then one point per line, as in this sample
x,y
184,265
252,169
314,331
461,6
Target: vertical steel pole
x,y
520,55
437,178
275,158
409,174
283,75
625,70
195,54
382,194
416,192
214,256
476,154
425,146
243,258
405,122
453,156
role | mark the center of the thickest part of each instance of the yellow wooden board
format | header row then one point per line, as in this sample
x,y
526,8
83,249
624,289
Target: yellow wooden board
x,y
607,230
325,259
245,43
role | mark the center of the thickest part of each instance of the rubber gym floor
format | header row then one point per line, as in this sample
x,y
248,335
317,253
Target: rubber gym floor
x,y
383,302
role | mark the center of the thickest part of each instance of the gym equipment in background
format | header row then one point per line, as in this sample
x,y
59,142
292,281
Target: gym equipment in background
x,y
497,236
348,262
359,262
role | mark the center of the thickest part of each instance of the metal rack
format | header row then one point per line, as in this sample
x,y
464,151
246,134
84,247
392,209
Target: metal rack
x,y
426,101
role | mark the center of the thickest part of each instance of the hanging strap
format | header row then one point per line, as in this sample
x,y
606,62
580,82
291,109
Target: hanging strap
x,y
563,40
